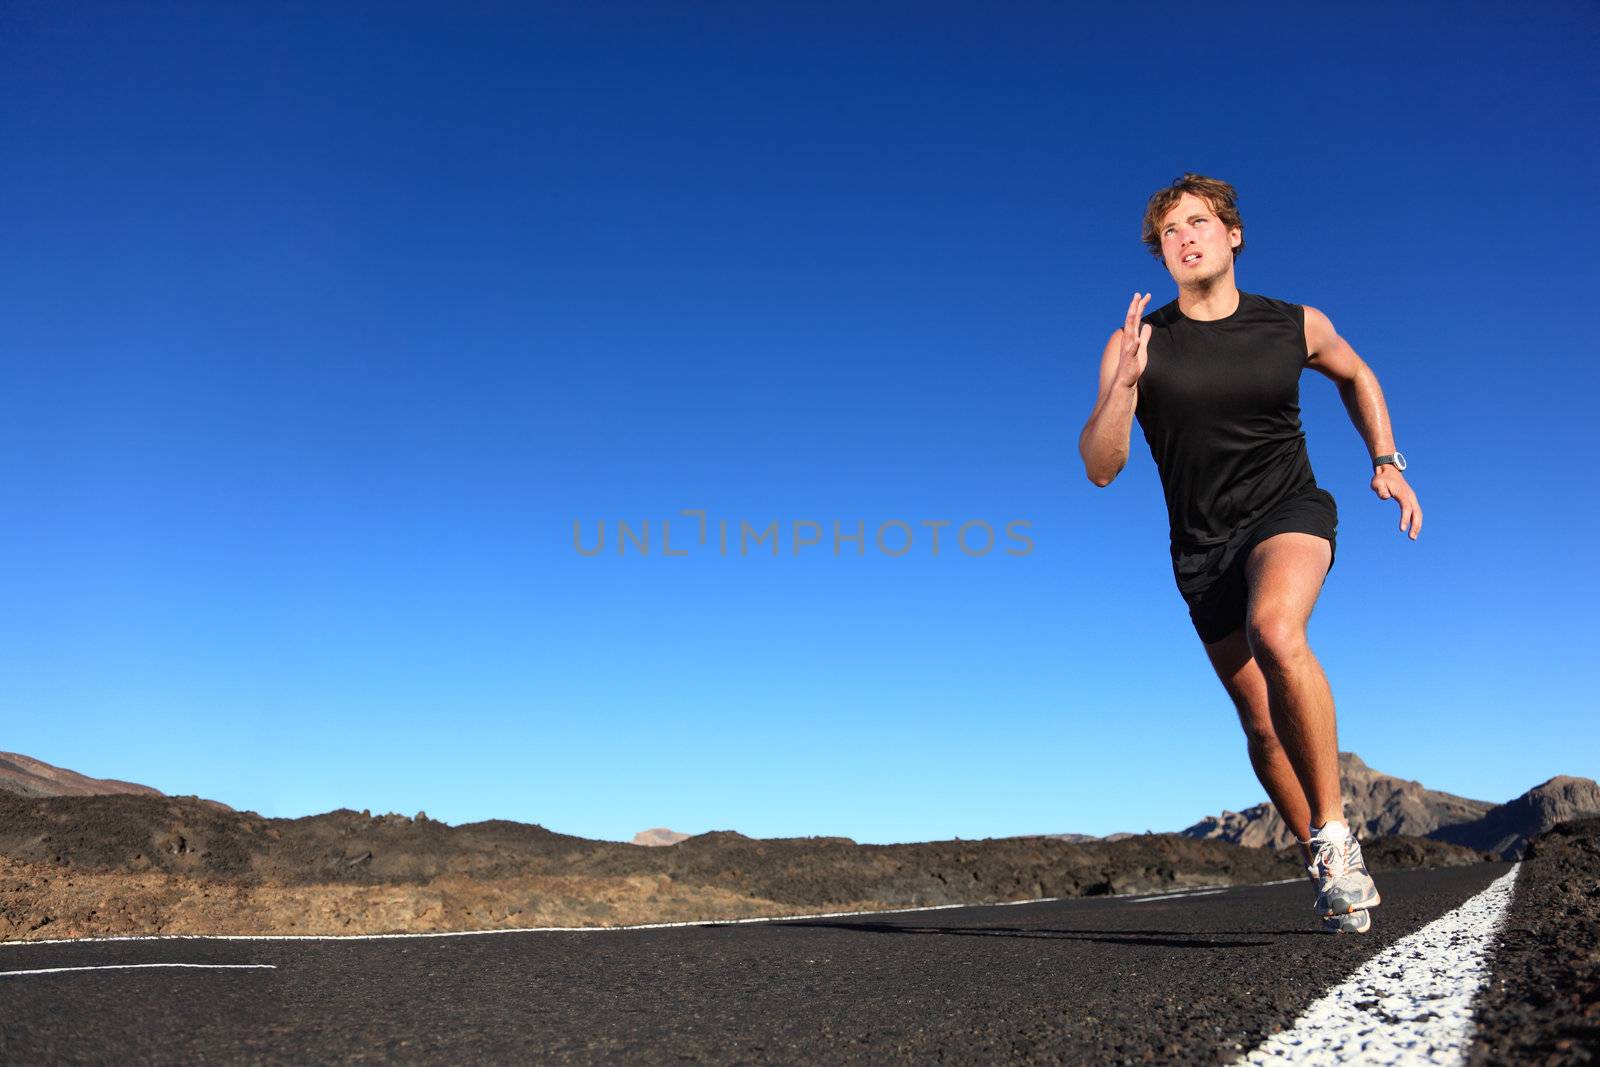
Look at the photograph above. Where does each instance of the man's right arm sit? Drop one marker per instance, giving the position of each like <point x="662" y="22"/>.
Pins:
<point x="1103" y="444"/>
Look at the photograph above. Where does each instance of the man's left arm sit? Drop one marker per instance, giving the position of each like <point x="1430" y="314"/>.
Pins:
<point x="1329" y="354"/>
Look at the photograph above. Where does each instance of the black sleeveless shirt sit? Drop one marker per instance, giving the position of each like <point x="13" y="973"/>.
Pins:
<point x="1219" y="403"/>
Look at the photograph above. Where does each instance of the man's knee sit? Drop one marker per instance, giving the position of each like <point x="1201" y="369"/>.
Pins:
<point x="1261" y="739"/>
<point x="1277" y="638"/>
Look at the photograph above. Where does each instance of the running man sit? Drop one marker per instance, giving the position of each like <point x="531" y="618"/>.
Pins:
<point x="1214" y="379"/>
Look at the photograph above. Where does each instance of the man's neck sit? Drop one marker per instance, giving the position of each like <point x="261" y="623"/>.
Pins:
<point x="1215" y="301"/>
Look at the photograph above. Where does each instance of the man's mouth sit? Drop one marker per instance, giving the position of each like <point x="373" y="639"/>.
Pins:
<point x="1192" y="257"/>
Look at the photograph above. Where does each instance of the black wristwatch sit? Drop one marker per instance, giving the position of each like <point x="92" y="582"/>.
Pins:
<point x="1395" y="458"/>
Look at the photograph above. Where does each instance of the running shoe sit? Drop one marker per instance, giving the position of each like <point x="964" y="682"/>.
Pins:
<point x="1343" y="884"/>
<point x="1355" y="922"/>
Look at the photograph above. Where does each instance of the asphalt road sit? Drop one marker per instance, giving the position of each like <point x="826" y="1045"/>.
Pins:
<point x="1193" y="979"/>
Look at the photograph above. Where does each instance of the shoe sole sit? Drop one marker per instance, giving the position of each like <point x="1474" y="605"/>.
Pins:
<point x="1350" y="906"/>
<point x="1356" y="922"/>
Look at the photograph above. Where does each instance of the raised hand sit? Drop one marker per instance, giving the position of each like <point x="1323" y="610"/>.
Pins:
<point x="1390" y="484"/>
<point x="1135" y="343"/>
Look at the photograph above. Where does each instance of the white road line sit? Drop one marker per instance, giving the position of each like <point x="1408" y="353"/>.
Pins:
<point x="1411" y="1003"/>
<point x="133" y="966"/>
<point x="1126" y="898"/>
<point x="1186" y="893"/>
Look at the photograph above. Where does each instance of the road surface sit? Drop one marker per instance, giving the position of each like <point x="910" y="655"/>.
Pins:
<point x="1196" y="978"/>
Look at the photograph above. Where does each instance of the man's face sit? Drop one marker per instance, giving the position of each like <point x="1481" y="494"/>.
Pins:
<point x="1196" y="246"/>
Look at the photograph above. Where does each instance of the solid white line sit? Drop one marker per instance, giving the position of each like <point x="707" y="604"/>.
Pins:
<point x="1411" y="1003"/>
<point x="131" y="966"/>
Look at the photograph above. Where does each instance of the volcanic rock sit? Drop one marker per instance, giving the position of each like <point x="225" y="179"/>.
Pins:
<point x="1542" y="1001"/>
<point x="1505" y="830"/>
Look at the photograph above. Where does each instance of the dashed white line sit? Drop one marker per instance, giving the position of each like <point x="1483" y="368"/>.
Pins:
<point x="1177" y="896"/>
<point x="135" y="966"/>
<point x="1411" y="1003"/>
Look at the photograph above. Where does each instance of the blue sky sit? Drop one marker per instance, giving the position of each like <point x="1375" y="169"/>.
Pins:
<point x="323" y="324"/>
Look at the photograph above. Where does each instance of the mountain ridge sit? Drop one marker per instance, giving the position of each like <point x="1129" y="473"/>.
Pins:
<point x="31" y="777"/>
<point x="1383" y="805"/>
<point x="1376" y="804"/>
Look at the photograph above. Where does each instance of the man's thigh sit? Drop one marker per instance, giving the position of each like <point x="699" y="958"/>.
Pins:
<point x="1284" y="575"/>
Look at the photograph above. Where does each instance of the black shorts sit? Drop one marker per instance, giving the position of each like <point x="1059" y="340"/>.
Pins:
<point x="1212" y="579"/>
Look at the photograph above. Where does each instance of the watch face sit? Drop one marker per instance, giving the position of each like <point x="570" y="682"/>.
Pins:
<point x="1399" y="462"/>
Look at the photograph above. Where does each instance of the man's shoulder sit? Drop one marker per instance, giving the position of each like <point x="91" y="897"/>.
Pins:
<point x="1163" y="316"/>
<point x="1296" y="313"/>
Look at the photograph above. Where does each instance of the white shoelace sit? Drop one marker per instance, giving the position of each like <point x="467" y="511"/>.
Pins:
<point x="1334" y="858"/>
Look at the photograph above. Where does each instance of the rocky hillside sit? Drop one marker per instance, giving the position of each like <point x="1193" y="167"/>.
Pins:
<point x="1380" y="805"/>
<point x="172" y="835"/>
<point x="1505" y="831"/>
<point x="1376" y="804"/>
<point x="28" y="777"/>
<point x="131" y="863"/>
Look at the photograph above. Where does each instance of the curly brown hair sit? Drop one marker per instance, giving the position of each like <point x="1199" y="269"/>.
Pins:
<point x="1214" y="191"/>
